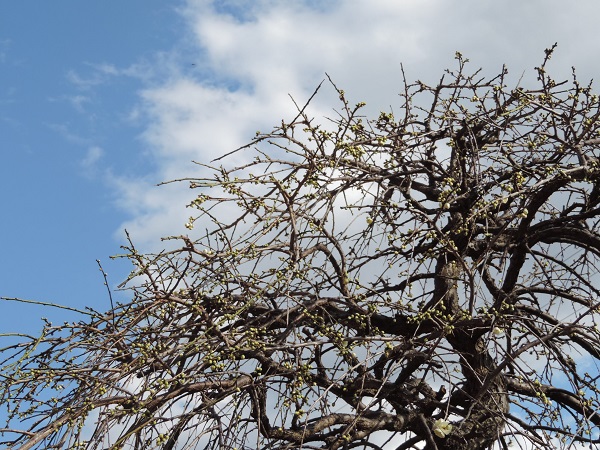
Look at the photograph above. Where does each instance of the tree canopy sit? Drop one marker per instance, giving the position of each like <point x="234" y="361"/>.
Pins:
<point x="421" y="279"/>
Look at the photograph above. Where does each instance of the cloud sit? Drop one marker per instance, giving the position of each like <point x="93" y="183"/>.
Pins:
<point x="144" y="70"/>
<point x="78" y="102"/>
<point x="92" y="156"/>
<point x="100" y="74"/>
<point x="84" y="83"/>
<point x="4" y="46"/>
<point x="65" y="131"/>
<point x="251" y="55"/>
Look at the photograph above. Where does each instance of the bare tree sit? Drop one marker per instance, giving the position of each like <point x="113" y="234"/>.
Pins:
<point x="424" y="279"/>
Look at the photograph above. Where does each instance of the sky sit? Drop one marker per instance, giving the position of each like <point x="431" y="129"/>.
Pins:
<point x="102" y="100"/>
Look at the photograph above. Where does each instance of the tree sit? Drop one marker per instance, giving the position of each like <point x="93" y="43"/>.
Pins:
<point x="419" y="280"/>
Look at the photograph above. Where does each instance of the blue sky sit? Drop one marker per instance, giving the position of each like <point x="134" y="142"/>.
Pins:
<point x="64" y="126"/>
<point x="101" y="100"/>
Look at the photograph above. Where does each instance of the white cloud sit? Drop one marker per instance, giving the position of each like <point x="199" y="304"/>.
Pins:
<point x="92" y="156"/>
<point x="4" y="46"/>
<point x="68" y="134"/>
<point x="84" y="83"/>
<point x="99" y="74"/>
<point x="78" y="102"/>
<point x="251" y="54"/>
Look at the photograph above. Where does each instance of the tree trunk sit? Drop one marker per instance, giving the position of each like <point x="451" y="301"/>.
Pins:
<point x="483" y="418"/>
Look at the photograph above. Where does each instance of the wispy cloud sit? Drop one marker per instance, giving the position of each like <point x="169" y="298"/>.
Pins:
<point x="92" y="156"/>
<point x="82" y="82"/>
<point x="90" y="164"/>
<point x="78" y="102"/>
<point x="4" y="46"/>
<point x="98" y="74"/>
<point x="68" y="134"/>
